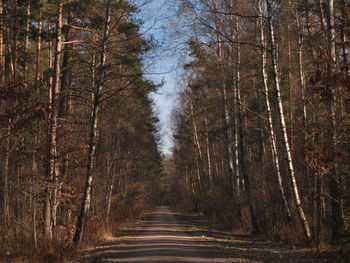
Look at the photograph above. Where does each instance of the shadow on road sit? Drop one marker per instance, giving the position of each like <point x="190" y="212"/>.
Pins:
<point x="165" y="236"/>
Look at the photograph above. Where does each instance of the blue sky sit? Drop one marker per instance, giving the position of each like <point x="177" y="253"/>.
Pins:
<point x="161" y="65"/>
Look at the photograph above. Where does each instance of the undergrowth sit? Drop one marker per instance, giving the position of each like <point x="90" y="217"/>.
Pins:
<point x="20" y="248"/>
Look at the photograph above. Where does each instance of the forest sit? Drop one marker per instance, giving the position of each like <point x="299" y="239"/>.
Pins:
<point x="261" y="129"/>
<point x="76" y="122"/>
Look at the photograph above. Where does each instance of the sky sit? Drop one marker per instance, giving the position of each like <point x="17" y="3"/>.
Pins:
<point x="161" y="66"/>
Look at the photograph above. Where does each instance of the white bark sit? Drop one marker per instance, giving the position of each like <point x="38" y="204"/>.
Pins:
<point x="54" y="170"/>
<point x="274" y="151"/>
<point x="111" y="175"/>
<point x="195" y="133"/>
<point x="227" y="118"/>
<point x="301" y="214"/>
<point x="235" y="66"/>
<point x="236" y="101"/>
<point x="199" y="159"/>
<point x="228" y="136"/>
<point x="38" y="50"/>
<point x="303" y="91"/>
<point x="207" y="142"/>
<point x="111" y="165"/>
<point x="94" y="122"/>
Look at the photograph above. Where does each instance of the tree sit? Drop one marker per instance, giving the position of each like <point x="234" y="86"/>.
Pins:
<point x="54" y="56"/>
<point x="282" y="79"/>
<point x="94" y="125"/>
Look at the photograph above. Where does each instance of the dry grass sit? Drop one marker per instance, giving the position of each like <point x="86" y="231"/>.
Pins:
<point x="240" y="247"/>
<point x="20" y="248"/>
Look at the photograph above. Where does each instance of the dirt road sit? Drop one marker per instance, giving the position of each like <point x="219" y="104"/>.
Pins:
<point x="164" y="236"/>
<point x="161" y="237"/>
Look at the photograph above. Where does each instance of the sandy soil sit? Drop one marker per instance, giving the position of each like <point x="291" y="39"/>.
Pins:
<point x="165" y="236"/>
<point x="160" y="237"/>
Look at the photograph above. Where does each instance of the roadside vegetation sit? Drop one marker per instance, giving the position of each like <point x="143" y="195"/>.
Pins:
<point x="78" y="151"/>
<point x="261" y="131"/>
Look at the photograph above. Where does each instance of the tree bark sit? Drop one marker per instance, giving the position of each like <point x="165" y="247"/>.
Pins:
<point x="336" y="202"/>
<point x="199" y="159"/>
<point x="111" y="167"/>
<point x="2" y="110"/>
<point x="301" y="214"/>
<point x="38" y="51"/>
<point x="274" y="151"/>
<point x="94" y="122"/>
<point x="319" y="186"/>
<point x="54" y="168"/>
<point x="228" y="138"/>
<point x="345" y="37"/>
<point x="6" y="173"/>
<point x="236" y="141"/>
<point x="14" y="48"/>
<point x="63" y="108"/>
<point x="47" y="215"/>
<point x="242" y="149"/>
<point x="303" y="92"/>
<point x="227" y="118"/>
<point x="26" y="45"/>
<point x="50" y="58"/>
<point x="34" y="198"/>
<point x="207" y="144"/>
<point x="111" y="176"/>
<point x="2" y="46"/>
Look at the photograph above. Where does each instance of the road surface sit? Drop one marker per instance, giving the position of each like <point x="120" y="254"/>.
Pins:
<point x="161" y="237"/>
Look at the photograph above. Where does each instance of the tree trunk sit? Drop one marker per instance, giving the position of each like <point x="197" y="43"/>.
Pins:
<point x="94" y="129"/>
<point x="62" y="108"/>
<point x="207" y="144"/>
<point x="345" y="37"/>
<point x="6" y="173"/>
<point x="242" y="149"/>
<point x="54" y="168"/>
<point x="303" y="94"/>
<point x="319" y="182"/>
<point x="34" y="198"/>
<point x="199" y="159"/>
<point x="38" y="51"/>
<point x="301" y="214"/>
<point x="195" y="133"/>
<point x="274" y="151"/>
<point x="47" y="215"/>
<point x="26" y="45"/>
<point x="14" y="49"/>
<point x="336" y="202"/>
<point x="238" y="168"/>
<point x="227" y="119"/>
<point x="228" y="138"/>
<point x="2" y="47"/>
<point x="111" y="170"/>
<point x="50" y="56"/>
<point x="109" y="196"/>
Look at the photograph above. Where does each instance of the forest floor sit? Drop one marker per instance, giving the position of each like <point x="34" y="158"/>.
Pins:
<point x="166" y="236"/>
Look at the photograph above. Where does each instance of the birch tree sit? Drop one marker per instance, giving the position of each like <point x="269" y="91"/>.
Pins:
<point x="94" y="125"/>
<point x="283" y="128"/>
<point x="274" y="151"/>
